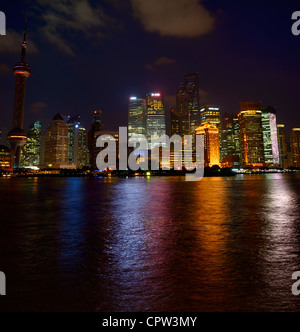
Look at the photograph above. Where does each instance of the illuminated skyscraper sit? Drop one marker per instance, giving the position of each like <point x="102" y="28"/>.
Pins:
<point x="180" y="123"/>
<point x="97" y="120"/>
<point x="156" y="119"/>
<point x="33" y="145"/>
<point x="283" y="154"/>
<point x="295" y="145"/>
<point x="231" y="148"/>
<point x="4" y="157"/>
<point x="56" y="152"/>
<point x="191" y="86"/>
<point x="269" y="126"/>
<point x="137" y="117"/>
<point x="211" y="144"/>
<point x="78" y="150"/>
<point x="211" y="114"/>
<point x="180" y="118"/>
<point x="187" y="105"/>
<point x="81" y="152"/>
<point x="252" y="144"/>
<point x="17" y="137"/>
<point x="182" y="114"/>
<point x="73" y="124"/>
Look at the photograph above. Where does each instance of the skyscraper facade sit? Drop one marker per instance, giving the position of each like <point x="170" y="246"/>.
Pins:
<point x="78" y="149"/>
<point x="210" y="114"/>
<point x="156" y="118"/>
<point x="252" y="144"/>
<point x="180" y="123"/>
<point x="73" y="125"/>
<point x="231" y="147"/>
<point x="96" y="128"/>
<point x="181" y="117"/>
<point x="191" y="86"/>
<point x="56" y="151"/>
<point x="295" y="145"/>
<point x="283" y="153"/>
<point x="270" y="137"/>
<point x="211" y="144"/>
<point x="81" y="152"/>
<point x="33" y="145"/>
<point x="4" y="157"/>
<point x="137" y="117"/>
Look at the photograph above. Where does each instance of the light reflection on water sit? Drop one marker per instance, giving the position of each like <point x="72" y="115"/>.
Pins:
<point x="159" y="244"/>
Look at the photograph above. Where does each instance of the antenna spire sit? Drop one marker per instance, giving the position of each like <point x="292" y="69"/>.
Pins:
<point x="24" y="44"/>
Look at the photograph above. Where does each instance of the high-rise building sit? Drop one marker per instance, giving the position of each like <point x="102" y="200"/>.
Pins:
<point x="210" y="114"/>
<point x="191" y="87"/>
<point x="181" y="117"/>
<point x="295" y="145"/>
<point x="180" y="123"/>
<point x="81" y="152"/>
<point x="32" y="157"/>
<point x="56" y="151"/>
<point x="270" y="137"/>
<point x="211" y="144"/>
<point x="187" y="105"/>
<point x="73" y="124"/>
<point x="97" y="120"/>
<point x="156" y="118"/>
<point x="42" y="148"/>
<point x="78" y="150"/>
<point x="252" y="144"/>
<point x="175" y="122"/>
<point x="17" y="137"/>
<point x="4" y="157"/>
<point x="137" y="117"/>
<point x="96" y="127"/>
<point x="283" y="153"/>
<point x="231" y="148"/>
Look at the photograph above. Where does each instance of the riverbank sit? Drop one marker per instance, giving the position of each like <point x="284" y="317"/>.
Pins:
<point x="208" y="172"/>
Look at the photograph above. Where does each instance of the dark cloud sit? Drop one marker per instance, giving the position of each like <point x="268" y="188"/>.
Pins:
<point x="163" y="61"/>
<point x="61" y="17"/>
<point x="174" y="18"/>
<point x="38" y="107"/>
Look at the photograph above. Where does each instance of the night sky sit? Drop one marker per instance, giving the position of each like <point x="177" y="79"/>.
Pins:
<point x="93" y="54"/>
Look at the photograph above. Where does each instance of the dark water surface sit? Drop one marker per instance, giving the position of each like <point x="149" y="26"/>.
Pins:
<point x="159" y="244"/>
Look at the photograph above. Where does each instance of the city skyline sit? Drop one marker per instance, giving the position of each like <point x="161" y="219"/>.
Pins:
<point x="149" y="158"/>
<point x="154" y="71"/>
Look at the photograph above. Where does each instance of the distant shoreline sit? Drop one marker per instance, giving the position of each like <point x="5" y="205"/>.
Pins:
<point x="225" y="172"/>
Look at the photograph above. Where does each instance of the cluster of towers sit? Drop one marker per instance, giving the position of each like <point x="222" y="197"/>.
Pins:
<point x="250" y="137"/>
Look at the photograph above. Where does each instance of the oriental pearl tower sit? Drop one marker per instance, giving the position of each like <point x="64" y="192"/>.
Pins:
<point x="17" y="137"/>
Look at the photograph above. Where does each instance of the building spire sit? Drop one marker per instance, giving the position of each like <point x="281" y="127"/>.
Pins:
<point x="24" y="44"/>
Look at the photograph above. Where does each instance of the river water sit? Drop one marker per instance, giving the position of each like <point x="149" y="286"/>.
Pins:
<point x="150" y="245"/>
